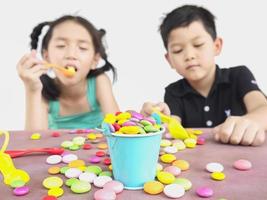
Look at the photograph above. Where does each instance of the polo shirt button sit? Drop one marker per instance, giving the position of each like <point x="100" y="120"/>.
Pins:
<point x="206" y="108"/>
<point x="209" y="123"/>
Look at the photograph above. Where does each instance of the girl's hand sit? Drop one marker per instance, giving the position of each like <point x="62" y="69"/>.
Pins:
<point x="148" y="108"/>
<point x="239" y="130"/>
<point x="30" y="69"/>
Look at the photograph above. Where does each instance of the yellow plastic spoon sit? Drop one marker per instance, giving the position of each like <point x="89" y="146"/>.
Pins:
<point x="7" y="168"/>
<point x="175" y="128"/>
<point x="69" y="72"/>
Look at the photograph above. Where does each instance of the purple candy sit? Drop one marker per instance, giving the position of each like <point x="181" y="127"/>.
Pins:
<point x="137" y="115"/>
<point x="204" y="192"/>
<point x="94" y="159"/>
<point x="20" y="191"/>
<point x="111" y="128"/>
<point x="129" y="123"/>
<point x="151" y="120"/>
<point x="134" y="119"/>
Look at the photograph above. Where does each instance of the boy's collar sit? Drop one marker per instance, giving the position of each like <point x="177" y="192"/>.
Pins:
<point x="221" y="77"/>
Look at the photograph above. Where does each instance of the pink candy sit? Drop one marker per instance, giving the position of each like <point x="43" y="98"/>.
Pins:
<point x="20" y="191"/>
<point x="116" y="186"/>
<point x="242" y="164"/>
<point x="204" y="192"/>
<point x="105" y="194"/>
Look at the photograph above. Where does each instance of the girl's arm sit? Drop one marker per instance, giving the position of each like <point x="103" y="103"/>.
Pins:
<point x="36" y="111"/>
<point x="30" y="69"/>
<point x="105" y="95"/>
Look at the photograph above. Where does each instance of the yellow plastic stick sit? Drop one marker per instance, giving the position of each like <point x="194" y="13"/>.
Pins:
<point x="175" y="128"/>
<point x="7" y="168"/>
<point x="67" y="72"/>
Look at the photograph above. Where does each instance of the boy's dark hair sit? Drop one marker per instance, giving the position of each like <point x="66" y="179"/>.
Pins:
<point x="50" y="89"/>
<point x="184" y="16"/>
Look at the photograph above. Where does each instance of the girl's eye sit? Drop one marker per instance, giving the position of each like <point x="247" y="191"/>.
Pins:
<point x="83" y="48"/>
<point x="60" y="46"/>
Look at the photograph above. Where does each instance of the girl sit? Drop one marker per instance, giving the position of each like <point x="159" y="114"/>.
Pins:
<point x="67" y="102"/>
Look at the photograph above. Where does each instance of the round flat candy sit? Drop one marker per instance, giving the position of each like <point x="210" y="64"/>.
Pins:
<point x="76" y="163"/>
<point x="153" y="187"/>
<point x="242" y="165"/>
<point x="54" y="170"/>
<point x="204" y="192"/>
<point x="94" y="169"/>
<point x="165" y="143"/>
<point x="100" y="153"/>
<point x="91" y="136"/>
<point x="69" y="157"/>
<point x="49" y="198"/>
<point x="106" y="173"/>
<point x="87" y="146"/>
<point x="107" y="161"/>
<point x="55" y="134"/>
<point x="167" y="158"/>
<point x="170" y="149"/>
<point x="17" y="183"/>
<point x="52" y="182"/>
<point x="100" y="181"/>
<point x="73" y="173"/>
<point x="218" y="176"/>
<point x="116" y="186"/>
<point x="104" y="194"/>
<point x="183" y="182"/>
<point x="70" y="181"/>
<point x="190" y="142"/>
<point x="21" y="191"/>
<point x="201" y="140"/>
<point x="88" y="177"/>
<point x="174" y="190"/>
<point x="36" y="136"/>
<point x="179" y="144"/>
<point x="173" y="170"/>
<point x="57" y="192"/>
<point x="80" y="187"/>
<point x="159" y="167"/>
<point x="182" y="164"/>
<point x="94" y="159"/>
<point x="214" y="167"/>
<point x="66" y="144"/>
<point x="53" y="159"/>
<point x="165" y="177"/>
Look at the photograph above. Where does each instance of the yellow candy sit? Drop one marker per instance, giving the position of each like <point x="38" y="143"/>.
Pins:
<point x="190" y="142"/>
<point x="165" y="177"/>
<point x="124" y="115"/>
<point x="102" y="146"/>
<point x="153" y="187"/>
<point x="110" y="118"/>
<point x="130" y="129"/>
<point x="193" y="136"/>
<point x="110" y="167"/>
<point x="218" y="176"/>
<point x="121" y="121"/>
<point x="182" y="164"/>
<point x="167" y="158"/>
<point x="198" y="132"/>
<point x="76" y="163"/>
<point x="179" y="144"/>
<point x="36" y="136"/>
<point x="54" y="170"/>
<point x="52" y="182"/>
<point x="91" y="136"/>
<point x="165" y="143"/>
<point x="57" y="192"/>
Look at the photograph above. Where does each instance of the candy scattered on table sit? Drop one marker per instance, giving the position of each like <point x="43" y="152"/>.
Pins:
<point x="242" y="165"/>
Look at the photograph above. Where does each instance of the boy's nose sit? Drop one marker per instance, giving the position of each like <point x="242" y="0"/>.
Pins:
<point x="189" y="55"/>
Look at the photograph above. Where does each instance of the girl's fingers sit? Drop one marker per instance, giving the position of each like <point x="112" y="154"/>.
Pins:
<point x="238" y="132"/>
<point x="259" y="139"/>
<point x="227" y="129"/>
<point x="249" y="135"/>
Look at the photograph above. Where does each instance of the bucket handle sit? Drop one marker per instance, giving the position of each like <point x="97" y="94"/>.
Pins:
<point x="3" y="149"/>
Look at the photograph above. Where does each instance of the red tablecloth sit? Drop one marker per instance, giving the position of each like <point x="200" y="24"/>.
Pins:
<point x="243" y="185"/>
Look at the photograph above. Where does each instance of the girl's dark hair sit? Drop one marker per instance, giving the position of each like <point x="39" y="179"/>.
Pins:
<point x="50" y="90"/>
<point x="184" y="16"/>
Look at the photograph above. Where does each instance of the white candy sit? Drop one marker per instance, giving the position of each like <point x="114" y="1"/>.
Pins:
<point x="54" y="159"/>
<point x="170" y="149"/>
<point x="88" y="177"/>
<point x="73" y="173"/>
<point x="214" y="167"/>
<point x="69" y="157"/>
<point x="174" y="190"/>
<point x="100" y="181"/>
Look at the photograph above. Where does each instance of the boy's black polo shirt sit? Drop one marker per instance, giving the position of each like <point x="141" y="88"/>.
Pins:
<point x="225" y="98"/>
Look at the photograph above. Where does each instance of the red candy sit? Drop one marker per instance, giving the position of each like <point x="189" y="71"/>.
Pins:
<point x="100" y="153"/>
<point x="107" y="161"/>
<point x="87" y="146"/>
<point x="49" y="198"/>
<point x="55" y="134"/>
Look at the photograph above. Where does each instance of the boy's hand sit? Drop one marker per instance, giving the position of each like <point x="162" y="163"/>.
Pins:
<point x="148" y="108"/>
<point x="30" y="69"/>
<point x="239" y="130"/>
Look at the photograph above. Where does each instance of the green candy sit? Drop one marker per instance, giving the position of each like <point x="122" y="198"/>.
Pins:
<point x="105" y="173"/>
<point x="70" y="181"/>
<point x="80" y="187"/>
<point x="94" y="169"/>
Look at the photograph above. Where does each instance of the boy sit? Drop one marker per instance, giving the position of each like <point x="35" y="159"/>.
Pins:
<point x="207" y="96"/>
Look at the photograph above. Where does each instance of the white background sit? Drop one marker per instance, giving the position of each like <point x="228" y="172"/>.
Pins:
<point x="134" y="44"/>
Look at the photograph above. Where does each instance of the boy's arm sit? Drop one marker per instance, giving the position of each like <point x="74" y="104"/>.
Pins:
<point x="248" y="129"/>
<point x="36" y="112"/>
<point x="105" y="95"/>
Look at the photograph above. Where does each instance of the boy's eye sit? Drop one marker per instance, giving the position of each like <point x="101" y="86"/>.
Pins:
<point x="199" y="45"/>
<point x="177" y="51"/>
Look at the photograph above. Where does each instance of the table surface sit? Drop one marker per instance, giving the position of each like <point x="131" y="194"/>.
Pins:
<point x="237" y="185"/>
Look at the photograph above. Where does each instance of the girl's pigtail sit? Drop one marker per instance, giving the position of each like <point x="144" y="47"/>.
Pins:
<point x="36" y="33"/>
<point x="107" y="66"/>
